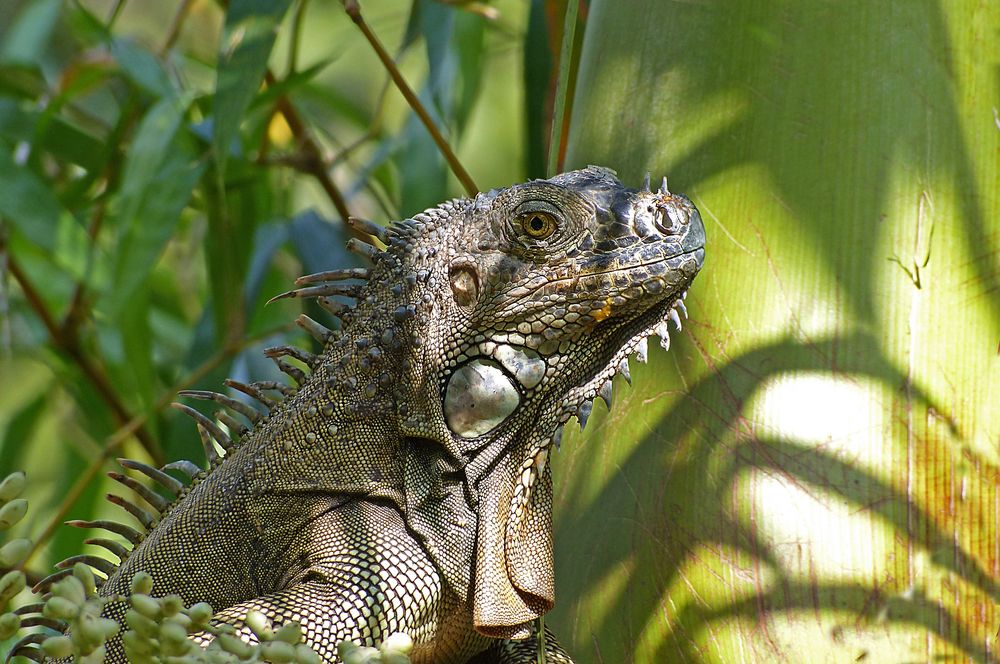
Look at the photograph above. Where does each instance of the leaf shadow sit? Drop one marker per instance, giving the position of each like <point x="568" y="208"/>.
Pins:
<point x="674" y="499"/>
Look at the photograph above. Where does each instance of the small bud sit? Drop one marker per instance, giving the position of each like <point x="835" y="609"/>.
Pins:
<point x="12" y="512"/>
<point x="10" y="584"/>
<point x="278" y="652"/>
<point x="183" y="620"/>
<point x="235" y="646"/>
<point x="345" y="648"/>
<point x="362" y="655"/>
<point x="260" y="625"/>
<point x="172" y="605"/>
<point x="12" y="487"/>
<point x="146" y="605"/>
<point x="306" y="655"/>
<point x="144" y="626"/>
<point x="136" y="647"/>
<point x="398" y="642"/>
<point x="14" y="552"/>
<point x="142" y="583"/>
<point x="109" y="628"/>
<point x="88" y="633"/>
<point x="9" y="624"/>
<point x="218" y="656"/>
<point x="175" y="636"/>
<point x="96" y="657"/>
<point x="200" y="614"/>
<point x="70" y="588"/>
<point x="85" y="576"/>
<point x="60" y="608"/>
<point x="290" y="632"/>
<point x="58" y="647"/>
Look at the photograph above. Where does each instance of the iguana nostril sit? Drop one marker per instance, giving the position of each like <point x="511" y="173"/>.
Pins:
<point x="662" y="223"/>
<point x="670" y="218"/>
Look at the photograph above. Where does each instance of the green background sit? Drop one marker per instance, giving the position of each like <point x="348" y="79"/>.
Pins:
<point x="810" y="474"/>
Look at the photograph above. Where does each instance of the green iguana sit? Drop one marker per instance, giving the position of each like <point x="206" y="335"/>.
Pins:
<point x="404" y="485"/>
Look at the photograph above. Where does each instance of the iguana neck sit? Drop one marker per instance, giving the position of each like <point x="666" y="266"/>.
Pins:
<point x="351" y="401"/>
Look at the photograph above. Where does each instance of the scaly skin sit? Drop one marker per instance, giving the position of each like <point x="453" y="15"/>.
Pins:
<point x="405" y="484"/>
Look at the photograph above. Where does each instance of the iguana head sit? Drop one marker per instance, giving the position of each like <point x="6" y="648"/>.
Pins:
<point x="553" y="283"/>
<point x="524" y="302"/>
<point x="497" y="319"/>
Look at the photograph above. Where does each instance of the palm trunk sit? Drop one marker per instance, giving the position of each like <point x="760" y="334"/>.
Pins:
<point x="811" y="473"/>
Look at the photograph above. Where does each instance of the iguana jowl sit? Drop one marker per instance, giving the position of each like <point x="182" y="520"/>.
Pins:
<point x="405" y="485"/>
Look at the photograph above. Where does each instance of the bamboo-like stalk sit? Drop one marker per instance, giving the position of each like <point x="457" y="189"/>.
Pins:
<point x="811" y="473"/>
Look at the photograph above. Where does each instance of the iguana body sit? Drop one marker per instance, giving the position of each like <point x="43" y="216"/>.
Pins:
<point x="404" y="486"/>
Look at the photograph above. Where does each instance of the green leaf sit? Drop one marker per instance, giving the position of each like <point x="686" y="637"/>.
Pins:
<point x="437" y="26"/>
<point x="27" y="38"/>
<point x="291" y="83"/>
<point x="16" y="124"/>
<point x="136" y="376"/>
<point x="142" y="68"/>
<point x="233" y="216"/>
<point x="453" y="42"/>
<point x="73" y="144"/>
<point x="161" y="170"/>
<point x="249" y="34"/>
<point x="61" y="138"/>
<point x="22" y="80"/>
<point x="148" y="151"/>
<point x="18" y="430"/>
<point x="425" y="180"/>
<point x="561" y="102"/>
<point x="267" y="240"/>
<point x="319" y="242"/>
<point x="85" y="26"/>
<point x="468" y="47"/>
<point x="537" y="73"/>
<point x="27" y="202"/>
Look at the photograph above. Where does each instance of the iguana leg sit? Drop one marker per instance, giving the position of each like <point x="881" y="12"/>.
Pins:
<point x="509" y="651"/>
<point x="364" y="577"/>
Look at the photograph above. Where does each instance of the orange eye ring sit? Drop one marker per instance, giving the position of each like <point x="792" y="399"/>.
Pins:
<point x="538" y="225"/>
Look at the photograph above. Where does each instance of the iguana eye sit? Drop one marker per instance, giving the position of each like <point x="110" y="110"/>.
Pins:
<point x="538" y="225"/>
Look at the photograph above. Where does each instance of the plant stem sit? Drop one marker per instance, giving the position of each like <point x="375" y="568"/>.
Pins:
<point x="314" y="163"/>
<point x="353" y="10"/>
<point x="556" y="146"/>
<point x="176" y="24"/>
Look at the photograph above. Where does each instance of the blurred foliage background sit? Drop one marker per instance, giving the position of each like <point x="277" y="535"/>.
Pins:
<point x="811" y="473"/>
